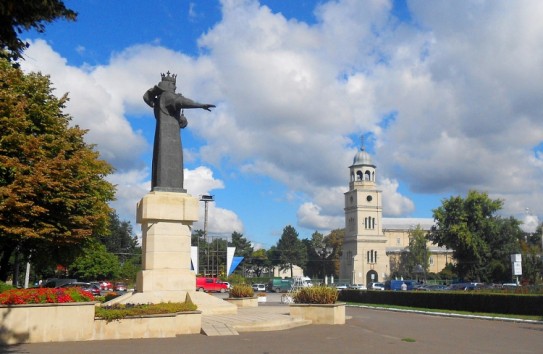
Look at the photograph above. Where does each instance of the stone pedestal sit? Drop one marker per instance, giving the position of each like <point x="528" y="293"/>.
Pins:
<point x="166" y="276"/>
<point x="165" y="220"/>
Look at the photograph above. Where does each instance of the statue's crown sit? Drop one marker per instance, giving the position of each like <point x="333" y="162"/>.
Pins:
<point x="168" y="77"/>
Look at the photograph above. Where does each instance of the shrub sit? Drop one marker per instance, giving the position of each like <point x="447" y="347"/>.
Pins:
<point x="4" y="287"/>
<point x="44" y="296"/>
<point x="316" y="295"/>
<point x="241" y="290"/>
<point x="119" y="311"/>
<point x="111" y="295"/>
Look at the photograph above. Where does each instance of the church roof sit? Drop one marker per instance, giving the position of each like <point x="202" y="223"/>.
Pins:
<point x="407" y="223"/>
<point x="362" y="158"/>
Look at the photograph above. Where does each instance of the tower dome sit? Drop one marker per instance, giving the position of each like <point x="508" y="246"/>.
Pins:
<point x="362" y="158"/>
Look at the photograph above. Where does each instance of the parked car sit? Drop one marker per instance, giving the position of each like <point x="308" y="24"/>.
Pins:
<point x="92" y="288"/>
<point x="106" y="285"/>
<point x="227" y="285"/>
<point x="358" y="287"/>
<point x="376" y="286"/>
<point x="259" y="287"/>
<point x="120" y="286"/>
<point x="341" y="286"/>
<point x="56" y="282"/>
<point x="210" y="284"/>
<point x="433" y="287"/>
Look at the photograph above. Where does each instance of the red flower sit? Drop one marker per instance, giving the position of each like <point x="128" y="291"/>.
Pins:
<point x="44" y="295"/>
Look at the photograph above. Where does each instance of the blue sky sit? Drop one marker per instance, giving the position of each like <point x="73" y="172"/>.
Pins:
<point x="446" y="94"/>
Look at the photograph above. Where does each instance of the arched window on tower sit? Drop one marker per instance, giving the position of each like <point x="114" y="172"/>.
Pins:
<point x="358" y="175"/>
<point x="367" y="176"/>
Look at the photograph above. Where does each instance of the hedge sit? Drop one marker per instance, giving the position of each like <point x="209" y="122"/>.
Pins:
<point x="472" y="301"/>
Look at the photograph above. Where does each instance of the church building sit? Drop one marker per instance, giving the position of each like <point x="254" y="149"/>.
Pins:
<point x="373" y="245"/>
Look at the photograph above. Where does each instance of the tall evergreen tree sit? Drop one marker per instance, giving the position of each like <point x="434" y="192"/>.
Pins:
<point x="120" y="239"/>
<point x="291" y="250"/>
<point x="243" y="246"/>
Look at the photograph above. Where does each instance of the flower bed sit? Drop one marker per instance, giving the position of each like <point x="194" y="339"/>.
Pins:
<point x="68" y="314"/>
<point x="318" y="304"/>
<point x="44" y="296"/>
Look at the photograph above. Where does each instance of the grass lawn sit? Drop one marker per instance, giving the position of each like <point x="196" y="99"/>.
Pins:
<point x="492" y="315"/>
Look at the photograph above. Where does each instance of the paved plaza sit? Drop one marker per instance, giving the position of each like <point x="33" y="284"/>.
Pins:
<point x="366" y="331"/>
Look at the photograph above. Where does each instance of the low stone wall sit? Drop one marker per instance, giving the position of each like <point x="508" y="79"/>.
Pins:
<point x="38" y="323"/>
<point x="243" y="301"/>
<point x="319" y="314"/>
<point x="156" y="326"/>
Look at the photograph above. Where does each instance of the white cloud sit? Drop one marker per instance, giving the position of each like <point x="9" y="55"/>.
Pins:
<point x="454" y="101"/>
<point x="310" y="217"/>
<point x="92" y="105"/>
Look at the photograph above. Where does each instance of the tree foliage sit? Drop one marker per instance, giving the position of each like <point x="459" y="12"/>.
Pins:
<point x="481" y="241"/>
<point x="243" y="246"/>
<point x="335" y="240"/>
<point x="260" y="262"/>
<point x="19" y="15"/>
<point x="120" y="239"/>
<point x="291" y="250"/>
<point x="96" y="263"/>
<point x="418" y="255"/>
<point x="53" y="192"/>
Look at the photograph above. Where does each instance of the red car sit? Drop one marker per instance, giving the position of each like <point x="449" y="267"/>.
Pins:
<point x="120" y="286"/>
<point x="106" y="285"/>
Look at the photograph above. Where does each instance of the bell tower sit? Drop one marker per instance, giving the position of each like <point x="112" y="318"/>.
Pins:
<point x="364" y="257"/>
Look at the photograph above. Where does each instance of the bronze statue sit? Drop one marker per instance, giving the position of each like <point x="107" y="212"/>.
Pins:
<point x="167" y="175"/>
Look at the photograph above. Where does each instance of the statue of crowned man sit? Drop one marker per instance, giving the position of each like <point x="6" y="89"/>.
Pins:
<point x="167" y="173"/>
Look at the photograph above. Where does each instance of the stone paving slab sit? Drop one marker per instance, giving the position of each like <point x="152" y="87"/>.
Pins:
<point x="255" y="319"/>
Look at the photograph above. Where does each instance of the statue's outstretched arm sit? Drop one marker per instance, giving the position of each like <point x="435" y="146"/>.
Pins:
<point x="183" y="102"/>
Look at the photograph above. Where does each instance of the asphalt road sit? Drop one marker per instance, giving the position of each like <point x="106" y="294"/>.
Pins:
<point x="368" y="331"/>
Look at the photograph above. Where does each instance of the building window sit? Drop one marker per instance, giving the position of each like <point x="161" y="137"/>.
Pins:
<point x="369" y="223"/>
<point x="398" y="241"/>
<point x="371" y="256"/>
<point x="431" y="260"/>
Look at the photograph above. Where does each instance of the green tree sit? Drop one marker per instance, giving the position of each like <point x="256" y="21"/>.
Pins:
<point x="19" y="15"/>
<point x="260" y="262"/>
<point x="313" y="266"/>
<point x="53" y="191"/>
<point x="471" y="228"/>
<point x="291" y="250"/>
<point x="95" y="263"/>
<point x="120" y="240"/>
<point x="335" y="240"/>
<point x="417" y="256"/>
<point x="243" y="247"/>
